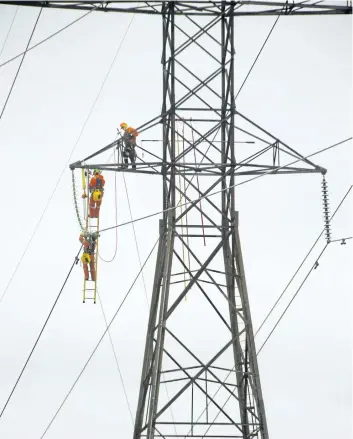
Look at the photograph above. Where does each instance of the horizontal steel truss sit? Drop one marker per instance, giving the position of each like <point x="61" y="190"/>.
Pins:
<point x="200" y="8"/>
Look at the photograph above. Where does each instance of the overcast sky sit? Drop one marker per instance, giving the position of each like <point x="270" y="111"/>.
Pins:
<point x="300" y="90"/>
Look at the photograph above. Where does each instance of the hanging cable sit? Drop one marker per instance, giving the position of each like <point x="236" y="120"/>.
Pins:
<point x="75" y="200"/>
<point x="46" y="39"/>
<point x="198" y="183"/>
<point x="186" y="215"/>
<point x="99" y="341"/>
<point x="40" y="333"/>
<point x="135" y="237"/>
<point x="181" y="209"/>
<point x="66" y="164"/>
<point x="116" y="216"/>
<point x="270" y="172"/>
<point x="326" y="209"/>
<point x="8" y="32"/>
<point x="19" y="67"/>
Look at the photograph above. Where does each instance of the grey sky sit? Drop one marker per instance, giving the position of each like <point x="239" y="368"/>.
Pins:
<point x="300" y="90"/>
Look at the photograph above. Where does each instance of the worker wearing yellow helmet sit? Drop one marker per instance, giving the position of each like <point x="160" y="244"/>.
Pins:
<point x="129" y="139"/>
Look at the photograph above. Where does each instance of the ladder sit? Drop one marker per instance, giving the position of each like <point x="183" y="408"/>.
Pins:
<point x="92" y="226"/>
<point x="90" y="286"/>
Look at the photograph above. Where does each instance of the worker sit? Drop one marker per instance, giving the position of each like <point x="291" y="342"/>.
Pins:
<point x="129" y="141"/>
<point x="96" y="187"/>
<point x="89" y="245"/>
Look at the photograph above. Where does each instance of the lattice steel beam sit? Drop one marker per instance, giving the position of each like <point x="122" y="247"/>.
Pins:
<point x="200" y="8"/>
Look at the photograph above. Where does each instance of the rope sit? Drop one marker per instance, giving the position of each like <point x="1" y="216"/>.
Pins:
<point x="75" y="201"/>
<point x="116" y="217"/>
<point x="181" y="210"/>
<point x="198" y="183"/>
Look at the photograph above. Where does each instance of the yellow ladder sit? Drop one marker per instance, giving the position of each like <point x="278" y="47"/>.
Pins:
<point x="90" y="286"/>
<point x="92" y="226"/>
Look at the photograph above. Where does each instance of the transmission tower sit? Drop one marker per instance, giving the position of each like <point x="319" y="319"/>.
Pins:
<point x="200" y="340"/>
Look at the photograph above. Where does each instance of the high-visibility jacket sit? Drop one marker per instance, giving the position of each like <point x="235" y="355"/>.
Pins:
<point x="89" y="243"/>
<point x="97" y="182"/>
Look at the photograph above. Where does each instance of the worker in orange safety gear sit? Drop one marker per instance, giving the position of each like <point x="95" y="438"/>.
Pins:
<point x="96" y="187"/>
<point x="88" y="257"/>
<point x="129" y="139"/>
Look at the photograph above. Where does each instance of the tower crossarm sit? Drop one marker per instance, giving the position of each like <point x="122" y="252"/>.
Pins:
<point x="201" y="8"/>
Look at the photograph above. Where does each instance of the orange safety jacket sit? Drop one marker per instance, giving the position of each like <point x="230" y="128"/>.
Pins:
<point x="97" y="182"/>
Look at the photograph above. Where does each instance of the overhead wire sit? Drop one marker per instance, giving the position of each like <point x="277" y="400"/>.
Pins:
<point x="314" y="266"/>
<point x="19" y="67"/>
<point x="116" y="359"/>
<point x="195" y="201"/>
<point x="225" y="379"/>
<point x="135" y="238"/>
<point x="99" y="341"/>
<point x="47" y="38"/>
<point x="40" y="333"/>
<point x="142" y="274"/>
<point x="8" y="32"/>
<point x="66" y="164"/>
<point x="257" y="57"/>
<point x="302" y="263"/>
<point x="116" y="217"/>
<point x="294" y="296"/>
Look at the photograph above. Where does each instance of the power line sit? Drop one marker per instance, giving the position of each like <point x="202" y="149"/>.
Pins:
<point x="41" y="332"/>
<point x="99" y="341"/>
<point x="257" y="57"/>
<point x="143" y="278"/>
<point x="19" y="67"/>
<point x="225" y="380"/>
<point x="291" y="301"/>
<point x="306" y="277"/>
<point x="116" y="361"/>
<point x="65" y="166"/>
<point x="48" y="38"/>
<point x="270" y="172"/>
<point x="136" y="243"/>
<point x="342" y="240"/>
<point x="8" y="33"/>
<point x="303" y="261"/>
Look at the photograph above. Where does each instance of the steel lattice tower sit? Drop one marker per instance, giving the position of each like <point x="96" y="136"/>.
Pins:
<point x="212" y="378"/>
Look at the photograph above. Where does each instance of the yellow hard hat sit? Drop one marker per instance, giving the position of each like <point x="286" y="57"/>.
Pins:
<point x="86" y="258"/>
<point x="123" y="125"/>
<point x="97" y="195"/>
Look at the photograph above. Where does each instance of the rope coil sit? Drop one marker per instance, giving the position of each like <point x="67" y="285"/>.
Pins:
<point x="326" y="209"/>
